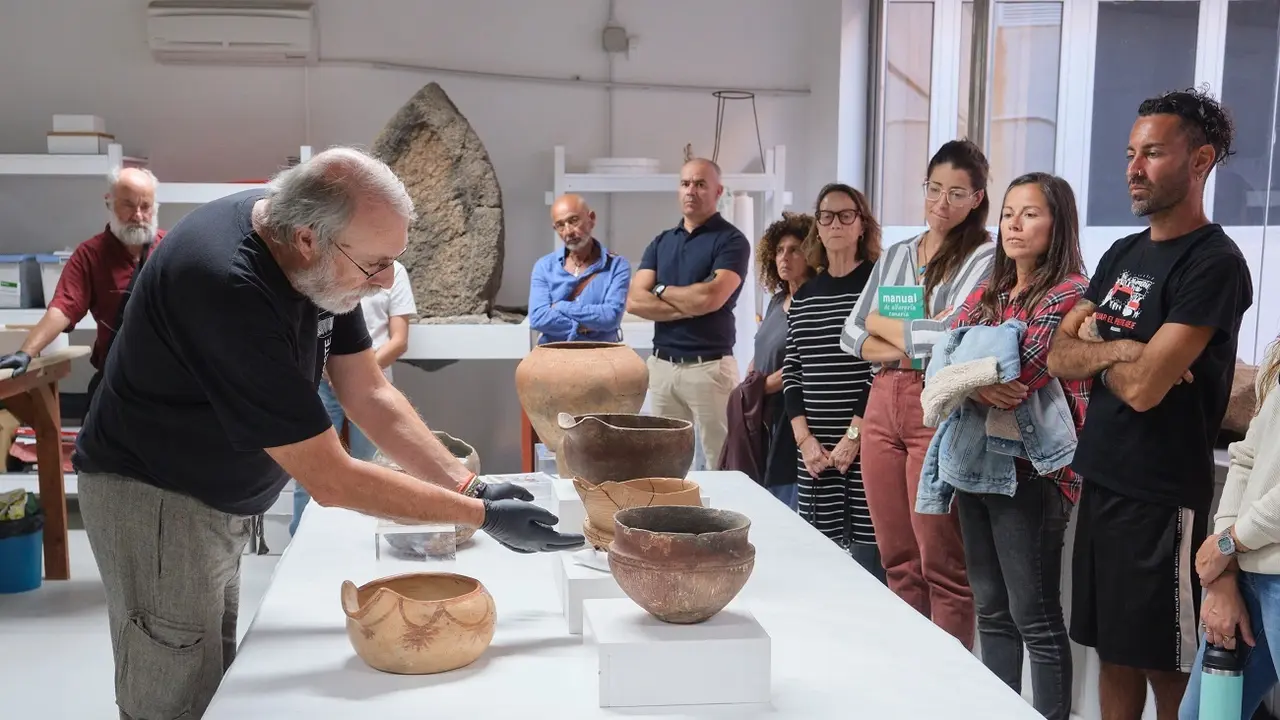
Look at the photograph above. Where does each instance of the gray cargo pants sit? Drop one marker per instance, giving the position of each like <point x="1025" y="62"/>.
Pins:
<point x="171" y="568"/>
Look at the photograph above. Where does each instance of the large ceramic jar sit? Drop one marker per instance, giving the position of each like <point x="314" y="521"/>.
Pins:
<point x="419" y="623"/>
<point x="682" y="564"/>
<point x="578" y="378"/>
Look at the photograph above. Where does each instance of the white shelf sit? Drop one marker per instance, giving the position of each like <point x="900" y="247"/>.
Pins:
<point x="68" y="165"/>
<point x="199" y="193"/>
<point x="658" y="182"/>
<point x="31" y="316"/>
<point x="495" y="342"/>
<point x="507" y="341"/>
<point x="772" y="182"/>
<point x="638" y="334"/>
<point x="31" y="482"/>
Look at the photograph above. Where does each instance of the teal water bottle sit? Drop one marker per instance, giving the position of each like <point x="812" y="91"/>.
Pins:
<point x="1221" y="684"/>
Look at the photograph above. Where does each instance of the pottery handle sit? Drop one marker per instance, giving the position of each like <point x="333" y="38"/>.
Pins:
<point x="565" y="421"/>
<point x="350" y="598"/>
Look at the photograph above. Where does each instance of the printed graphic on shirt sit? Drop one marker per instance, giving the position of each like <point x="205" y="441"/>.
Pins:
<point x="1122" y="306"/>
<point x="324" y="333"/>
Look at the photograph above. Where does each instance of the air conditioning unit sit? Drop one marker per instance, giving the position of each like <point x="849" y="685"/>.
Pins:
<point x="232" y="32"/>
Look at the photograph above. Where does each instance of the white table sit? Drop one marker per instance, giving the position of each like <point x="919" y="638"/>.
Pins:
<point x="843" y="645"/>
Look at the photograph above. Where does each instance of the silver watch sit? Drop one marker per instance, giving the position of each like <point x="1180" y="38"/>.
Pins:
<point x="1226" y="543"/>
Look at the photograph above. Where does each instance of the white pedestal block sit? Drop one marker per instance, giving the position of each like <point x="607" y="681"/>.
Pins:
<point x="576" y="583"/>
<point x="568" y="506"/>
<point x="645" y="662"/>
<point x="569" y="509"/>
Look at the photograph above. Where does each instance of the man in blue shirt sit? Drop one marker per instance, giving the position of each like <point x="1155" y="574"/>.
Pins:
<point x="688" y="283"/>
<point x="579" y="292"/>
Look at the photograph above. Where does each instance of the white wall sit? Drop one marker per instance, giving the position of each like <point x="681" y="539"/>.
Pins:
<point x="226" y="124"/>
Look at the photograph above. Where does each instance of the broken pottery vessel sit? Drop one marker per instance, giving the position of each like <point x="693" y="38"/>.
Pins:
<point x="604" y="447"/>
<point x="456" y="244"/>
<point x="419" y="623"/>
<point x="578" y="378"/>
<point x="605" y="499"/>
<point x="681" y="564"/>
<point x="414" y="543"/>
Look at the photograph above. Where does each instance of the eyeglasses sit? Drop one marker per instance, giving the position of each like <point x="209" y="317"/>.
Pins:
<point x="847" y="217"/>
<point x="954" y="197"/>
<point x="572" y="222"/>
<point x="367" y="273"/>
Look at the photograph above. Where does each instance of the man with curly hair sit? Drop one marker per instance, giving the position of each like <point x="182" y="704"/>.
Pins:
<point x="1157" y="333"/>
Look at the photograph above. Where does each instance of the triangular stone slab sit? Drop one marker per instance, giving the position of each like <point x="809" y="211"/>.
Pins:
<point x="456" y="245"/>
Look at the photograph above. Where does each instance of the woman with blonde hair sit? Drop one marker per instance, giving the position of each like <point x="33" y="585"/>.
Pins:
<point x="1239" y="565"/>
<point x="825" y="390"/>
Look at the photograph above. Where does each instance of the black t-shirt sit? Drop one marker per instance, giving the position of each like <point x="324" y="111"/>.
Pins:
<point x="1165" y="455"/>
<point x="218" y="357"/>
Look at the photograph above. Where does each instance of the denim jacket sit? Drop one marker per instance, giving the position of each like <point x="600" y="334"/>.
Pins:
<point x="974" y="447"/>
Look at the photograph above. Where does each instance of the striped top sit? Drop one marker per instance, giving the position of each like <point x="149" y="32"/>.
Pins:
<point x="829" y="388"/>
<point x="898" y="267"/>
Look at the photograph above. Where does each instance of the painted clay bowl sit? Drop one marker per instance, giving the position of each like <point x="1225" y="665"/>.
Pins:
<point x="604" y="500"/>
<point x="419" y="623"/>
<point x="681" y="564"/>
<point x="604" y="447"/>
<point x="415" y="544"/>
<point x="576" y="378"/>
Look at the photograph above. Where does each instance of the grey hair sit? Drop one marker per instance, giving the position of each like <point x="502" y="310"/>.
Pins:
<point x="113" y="179"/>
<point x="322" y="194"/>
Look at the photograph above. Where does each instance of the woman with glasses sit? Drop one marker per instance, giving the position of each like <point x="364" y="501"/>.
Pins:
<point x="825" y="390"/>
<point x="923" y="555"/>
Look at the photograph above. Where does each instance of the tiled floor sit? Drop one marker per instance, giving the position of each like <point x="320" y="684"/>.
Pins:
<point x="54" y="646"/>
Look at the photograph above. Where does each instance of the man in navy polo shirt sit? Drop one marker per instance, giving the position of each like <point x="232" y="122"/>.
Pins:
<point x="687" y="283"/>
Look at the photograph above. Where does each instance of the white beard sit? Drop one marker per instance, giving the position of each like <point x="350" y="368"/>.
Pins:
<point x="133" y="234"/>
<point x="318" y="284"/>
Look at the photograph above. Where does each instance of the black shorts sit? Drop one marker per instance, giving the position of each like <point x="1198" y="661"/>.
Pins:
<point x="1135" y="593"/>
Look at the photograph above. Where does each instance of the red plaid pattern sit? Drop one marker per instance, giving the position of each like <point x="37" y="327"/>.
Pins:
<point x="1042" y="322"/>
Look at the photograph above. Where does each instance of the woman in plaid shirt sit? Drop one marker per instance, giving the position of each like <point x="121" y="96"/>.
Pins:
<point x="1013" y="545"/>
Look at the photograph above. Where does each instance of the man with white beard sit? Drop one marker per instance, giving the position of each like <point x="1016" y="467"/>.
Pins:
<point x="208" y="405"/>
<point x="97" y="274"/>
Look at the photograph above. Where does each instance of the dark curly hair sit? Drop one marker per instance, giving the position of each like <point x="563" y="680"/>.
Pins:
<point x="796" y="225"/>
<point x="1204" y="120"/>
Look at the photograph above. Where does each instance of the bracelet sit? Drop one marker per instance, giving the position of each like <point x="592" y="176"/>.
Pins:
<point x="473" y="487"/>
<point x="1106" y="373"/>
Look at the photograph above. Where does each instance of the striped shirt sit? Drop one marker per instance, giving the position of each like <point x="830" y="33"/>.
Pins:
<point x="829" y="388"/>
<point x="898" y="267"/>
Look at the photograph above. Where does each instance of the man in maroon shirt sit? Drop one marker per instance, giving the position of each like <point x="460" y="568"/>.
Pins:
<point x="97" y="275"/>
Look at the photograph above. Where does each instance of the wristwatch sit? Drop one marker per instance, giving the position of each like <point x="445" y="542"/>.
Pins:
<point x="1227" y="544"/>
<point x="659" y="289"/>
<point x="854" y="432"/>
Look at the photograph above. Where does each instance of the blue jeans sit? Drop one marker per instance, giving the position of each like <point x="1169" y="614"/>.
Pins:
<point x="789" y="494"/>
<point x="1262" y="599"/>
<point x="361" y="448"/>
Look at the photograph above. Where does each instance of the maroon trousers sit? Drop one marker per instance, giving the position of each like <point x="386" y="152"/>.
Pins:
<point x="923" y="555"/>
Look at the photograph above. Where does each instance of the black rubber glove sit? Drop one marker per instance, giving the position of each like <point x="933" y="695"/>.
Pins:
<point x="526" y="528"/>
<point x="501" y="491"/>
<point x="17" y="362"/>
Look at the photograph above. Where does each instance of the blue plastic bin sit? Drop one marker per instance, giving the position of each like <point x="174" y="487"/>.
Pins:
<point x="22" y="562"/>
